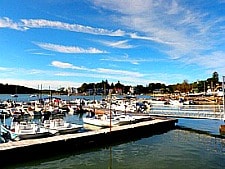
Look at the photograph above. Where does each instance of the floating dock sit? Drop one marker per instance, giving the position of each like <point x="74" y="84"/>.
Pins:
<point x="34" y="149"/>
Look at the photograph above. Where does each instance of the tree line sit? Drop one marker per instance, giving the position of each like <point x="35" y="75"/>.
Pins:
<point x="103" y="87"/>
<point x="184" y="87"/>
<point x="16" y="89"/>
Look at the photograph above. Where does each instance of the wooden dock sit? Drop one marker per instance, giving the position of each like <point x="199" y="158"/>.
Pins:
<point x="34" y="149"/>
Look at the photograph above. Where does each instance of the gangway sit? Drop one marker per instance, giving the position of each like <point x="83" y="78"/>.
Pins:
<point x="189" y="111"/>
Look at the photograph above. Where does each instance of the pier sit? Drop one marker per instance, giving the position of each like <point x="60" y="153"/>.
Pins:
<point x="214" y="112"/>
<point x="26" y="150"/>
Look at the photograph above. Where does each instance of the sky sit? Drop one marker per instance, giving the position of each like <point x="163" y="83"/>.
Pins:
<point x="65" y="43"/>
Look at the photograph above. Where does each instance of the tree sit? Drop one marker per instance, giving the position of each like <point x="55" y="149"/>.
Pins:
<point x="184" y="87"/>
<point x="213" y="81"/>
<point x="215" y="77"/>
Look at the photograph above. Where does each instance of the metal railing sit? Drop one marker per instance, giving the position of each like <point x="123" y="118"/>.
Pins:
<point x="189" y="111"/>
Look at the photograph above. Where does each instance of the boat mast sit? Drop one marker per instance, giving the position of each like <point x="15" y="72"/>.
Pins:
<point x="110" y="113"/>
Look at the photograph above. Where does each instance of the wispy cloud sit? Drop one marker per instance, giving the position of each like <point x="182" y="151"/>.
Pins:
<point x="214" y="60"/>
<point x="180" y="30"/>
<point x="4" y="69"/>
<point x="118" y="44"/>
<point x="119" y="72"/>
<point x="127" y="59"/>
<point x="8" y="23"/>
<point x="25" y="24"/>
<point x="68" y="70"/>
<point x="67" y="49"/>
<point x="41" y="53"/>
<point x="65" y="65"/>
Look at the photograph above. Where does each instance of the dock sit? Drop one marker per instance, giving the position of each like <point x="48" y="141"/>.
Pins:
<point x="41" y="148"/>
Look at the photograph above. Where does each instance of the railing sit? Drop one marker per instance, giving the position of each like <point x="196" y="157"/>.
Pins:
<point x="189" y="111"/>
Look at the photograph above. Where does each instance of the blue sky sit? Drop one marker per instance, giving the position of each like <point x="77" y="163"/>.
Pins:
<point x="65" y="43"/>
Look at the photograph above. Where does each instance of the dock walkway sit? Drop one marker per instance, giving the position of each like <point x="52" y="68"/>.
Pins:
<point x="189" y="111"/>
<point x="25" y="150"/>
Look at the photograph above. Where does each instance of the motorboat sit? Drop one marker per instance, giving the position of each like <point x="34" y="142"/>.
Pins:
<point x="7" y="134"/>
<point x="61" y="126"/>
<point x="103" y="120"/>
<point x="27" y="130"/>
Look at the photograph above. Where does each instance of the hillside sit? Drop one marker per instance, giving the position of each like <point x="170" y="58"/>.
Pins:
<point x="15" y="89"/>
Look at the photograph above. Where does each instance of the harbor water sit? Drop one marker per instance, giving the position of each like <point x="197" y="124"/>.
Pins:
<point x="194" y="143"/>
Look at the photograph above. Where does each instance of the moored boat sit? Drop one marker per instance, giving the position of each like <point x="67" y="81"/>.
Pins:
<point x="103" y="120"/>
<point x="26" y="130"/>
<point x="61" y="127"/>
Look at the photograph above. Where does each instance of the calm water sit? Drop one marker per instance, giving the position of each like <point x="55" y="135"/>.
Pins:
<point x="194" y="144"/>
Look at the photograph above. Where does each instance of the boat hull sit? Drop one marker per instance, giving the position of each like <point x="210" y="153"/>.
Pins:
<point x="34" y="135"/>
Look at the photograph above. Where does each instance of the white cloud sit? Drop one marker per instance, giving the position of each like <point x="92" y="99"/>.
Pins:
<point x="65" y="65"/>
<point x="214" y="60"/>
<point x="4" y="69"/>
<point x="181" y="30"/>
<point x="83" y="75"/>
<point x="119" y="72"/>
<point x="118" y="44"/>
<point x="67" y="49"/>
<point x="127" y="59"/>
<point x="131" y="7"/>
<point x="174" y="8"/>
<point x="53" y="84"/>
<point x="8" y="23"/>
<point x="42" y="23"/>
<point x="41" y="53"/>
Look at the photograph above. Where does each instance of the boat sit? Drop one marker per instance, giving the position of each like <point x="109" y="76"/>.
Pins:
<point x="7" y="134"/>
<point x="33" y="95"/>
<point x="103" y="120"/>
<point x="27" y="130"/>
<point x="17" y="111"/>
<point x="61" y="127"/>
<point x="14" y="95"/>
<point x="4" y="114"/>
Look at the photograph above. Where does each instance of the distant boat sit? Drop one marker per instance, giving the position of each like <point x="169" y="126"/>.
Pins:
<point x="14" y="95"/>
<point x="33" y="95"/>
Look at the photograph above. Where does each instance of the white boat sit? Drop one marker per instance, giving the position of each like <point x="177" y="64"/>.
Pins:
<point x="26" y="130"/>
<point x="106" y="121"/>
<point x="14" y="95"/>
<point x="33" y="95"/>
<point x="4" y="113"/>
<point x="7" y="134"/>
<point x="61" y="127"/>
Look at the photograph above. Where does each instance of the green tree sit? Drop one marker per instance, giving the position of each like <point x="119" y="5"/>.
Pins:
<point x="184" y="87"/>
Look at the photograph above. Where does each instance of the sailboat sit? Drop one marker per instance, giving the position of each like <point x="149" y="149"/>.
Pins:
<point x="15" y="95"/>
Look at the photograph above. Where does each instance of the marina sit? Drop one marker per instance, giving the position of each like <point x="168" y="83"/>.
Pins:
<point x="146" y="125"/>
<point x="112" y="84"/>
